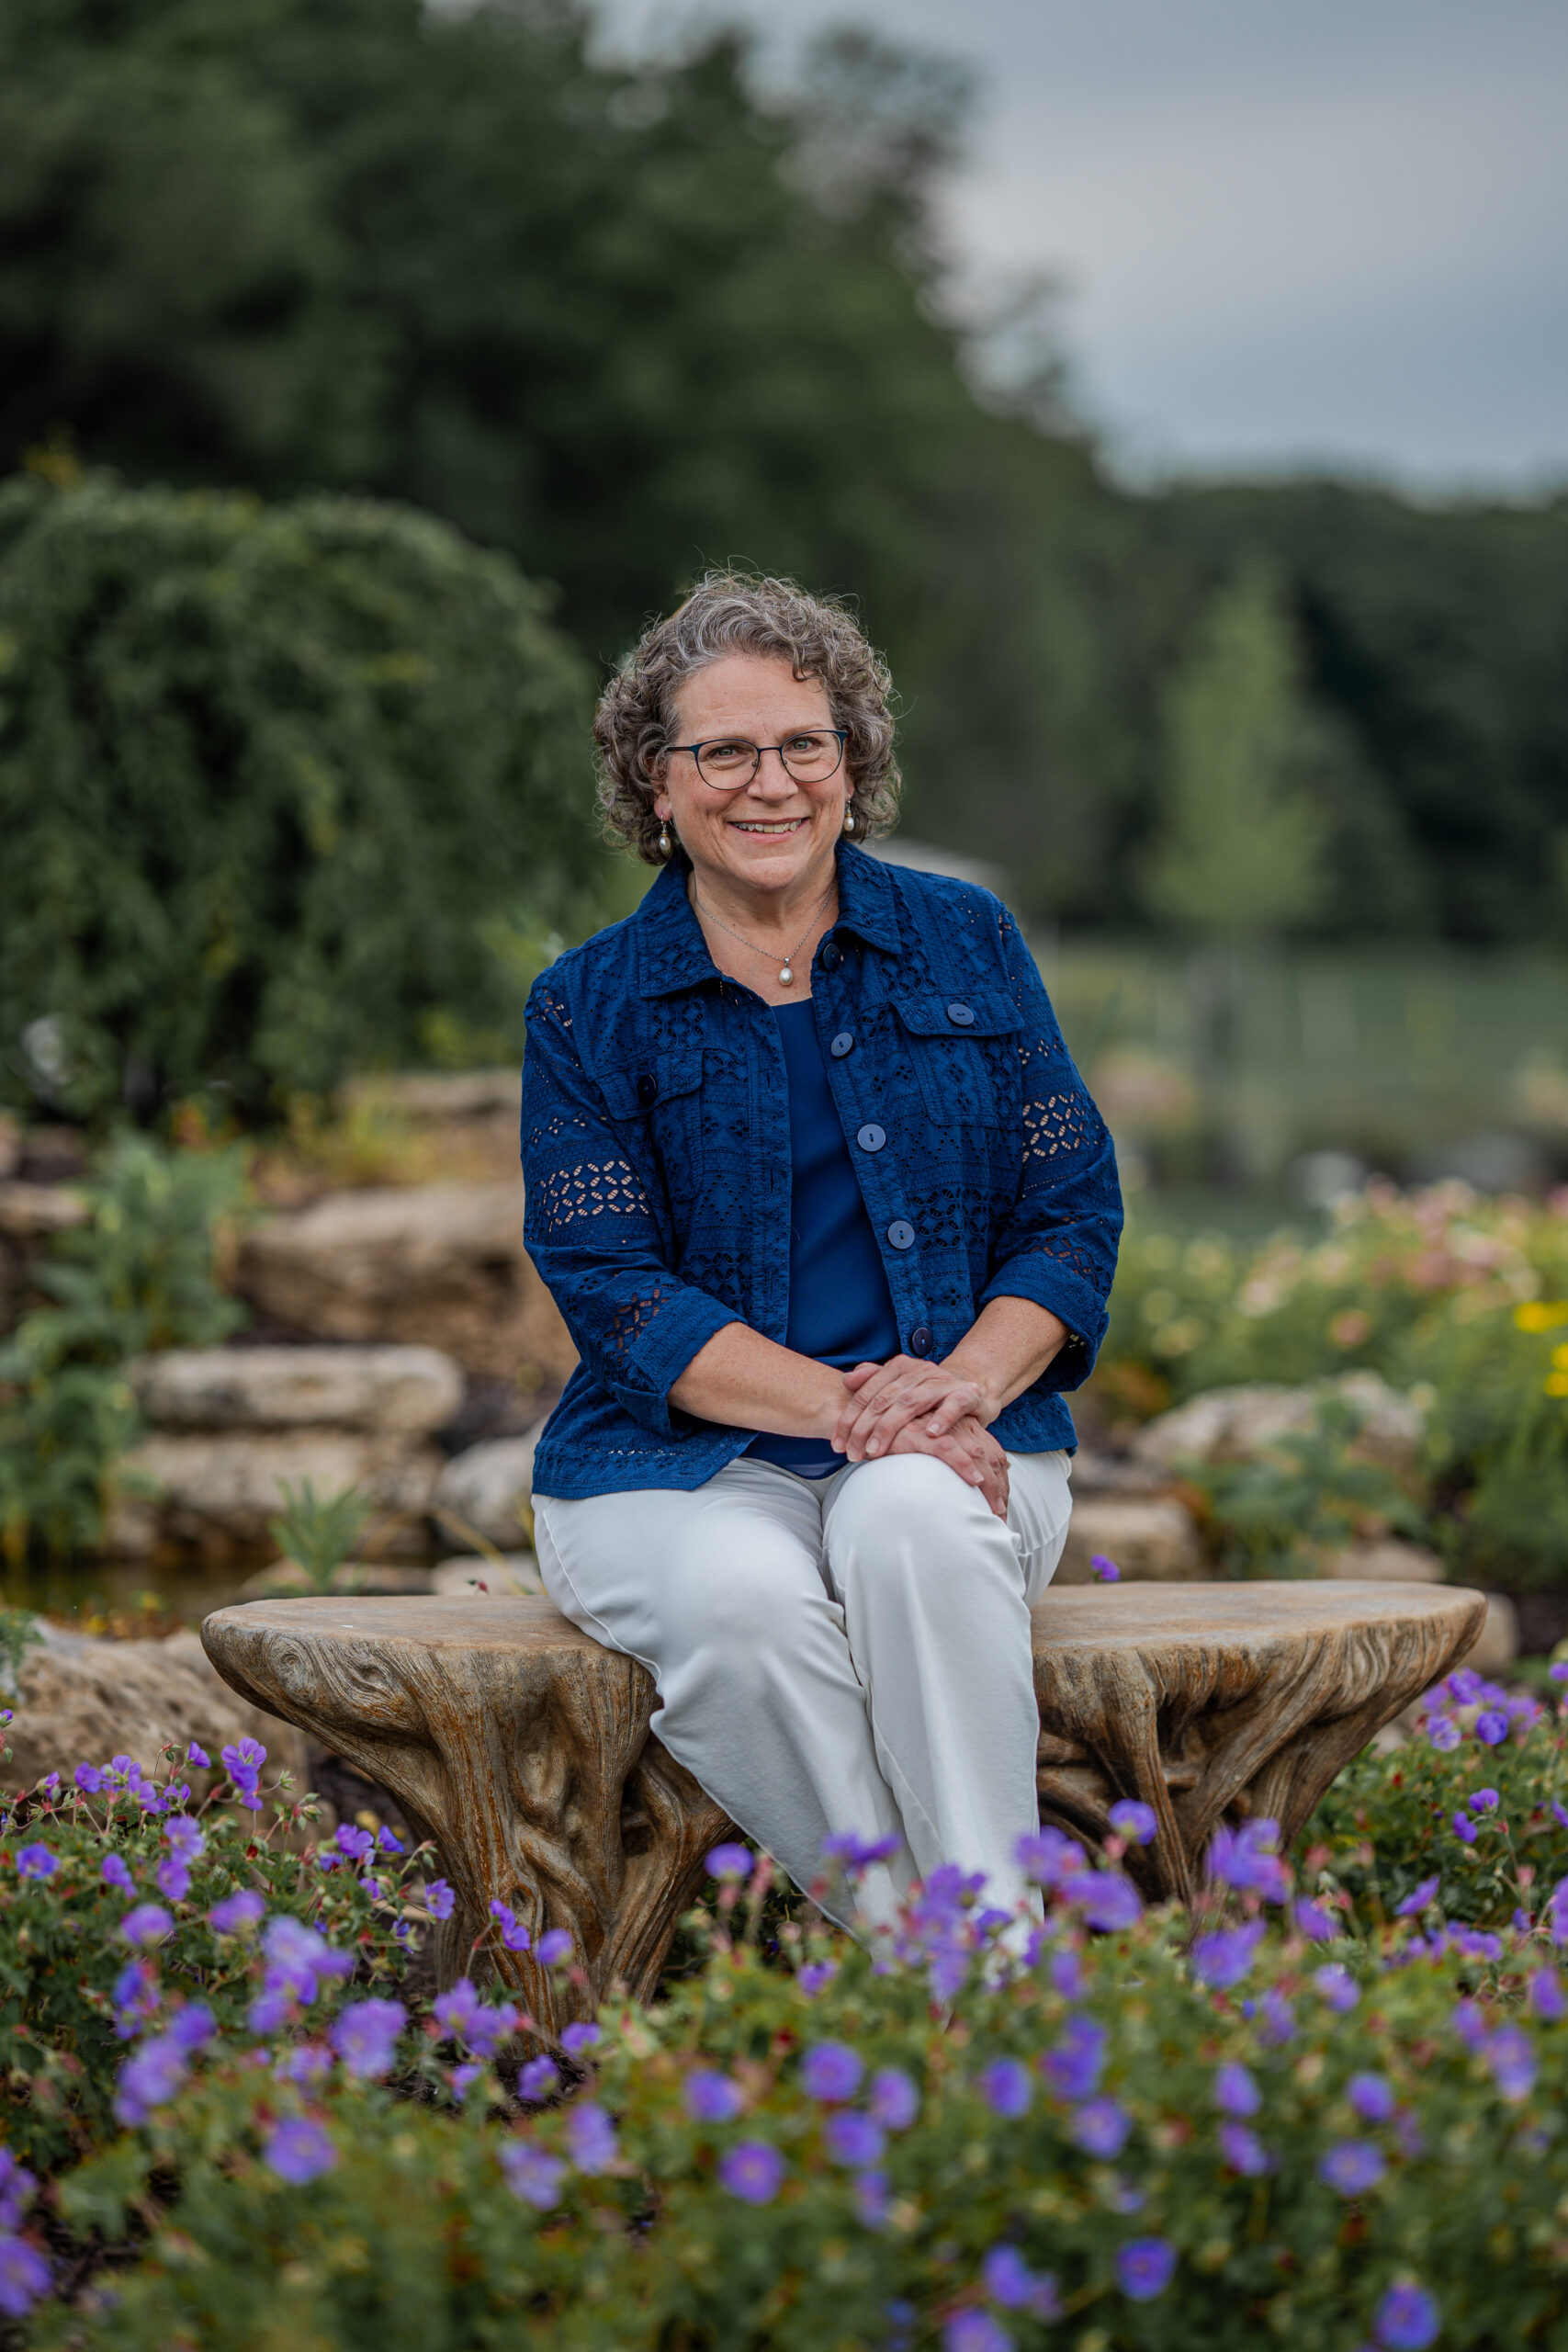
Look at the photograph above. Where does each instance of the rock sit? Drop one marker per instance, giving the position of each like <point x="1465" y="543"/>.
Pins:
<point x="404" y="1390"/>
<point x="439" y="1097"/>
<point x="1236" y="1424"/>
<point x="285" y="1580"/>
<point x="1498" y="1646"/>
<point x="487" y="1490"/>
<point x="213" y="1493"/>
<point x="1151" y="1541"/>
<point x="82" y="1700"/>
<point x="514" y="1572"/>
<point x="1387" y="1562"/>
<point x="1094" y="1473"/>
<point x="442" y="1265"/>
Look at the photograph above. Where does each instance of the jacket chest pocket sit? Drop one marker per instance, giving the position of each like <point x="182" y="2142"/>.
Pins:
<point x="657" y="1106"/>
<point x="964" y="1054"/>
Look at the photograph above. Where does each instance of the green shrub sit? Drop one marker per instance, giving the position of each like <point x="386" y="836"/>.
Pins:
<point x="265" y="777"/>
<point x="1280" y="1513"/>
<point x="142" y="1274"/>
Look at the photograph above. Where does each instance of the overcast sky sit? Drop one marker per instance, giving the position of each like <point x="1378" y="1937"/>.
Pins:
<point x="1329" y="231"/>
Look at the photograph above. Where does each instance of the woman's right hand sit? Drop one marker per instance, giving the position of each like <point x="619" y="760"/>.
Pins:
<point x="969" y="1448"/>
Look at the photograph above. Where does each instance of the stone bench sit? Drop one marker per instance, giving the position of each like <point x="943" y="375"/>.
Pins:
<point x="522" y="1748"/>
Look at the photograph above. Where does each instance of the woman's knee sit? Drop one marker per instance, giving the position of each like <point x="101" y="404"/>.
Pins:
<point x="905" y="1517"/>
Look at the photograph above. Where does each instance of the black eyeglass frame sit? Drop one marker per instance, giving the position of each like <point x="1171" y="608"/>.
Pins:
<point x="840" y="734"/>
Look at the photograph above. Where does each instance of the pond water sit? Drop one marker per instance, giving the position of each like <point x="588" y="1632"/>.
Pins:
<point x="123" y="1595"/>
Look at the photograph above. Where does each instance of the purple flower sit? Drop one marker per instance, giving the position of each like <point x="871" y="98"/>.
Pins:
<point x="453" y="2010"/>
<point x="1468" y="2021"/>
<point x="533" y="2178"/>
<point x="1104" y="1570"/>
<point x="1074" y="2066"/>
<point x="578" y="2038"/>
<point x="1352" y="2166"/>
<point x="1224" y="1959"/>
<point x="1243" y="2150"/>
<point x="830" y="2071"/>
<point x="365" y="2038"/>
<point x="1315" y="1921"/>
<point x="1443" y="1733"/>
<point x="1066" y="1975"/>
<point x="1464" y="1685"/>
<point x="590" y="2136"/>
<point x="540" y="2078"/>
<point x="1279" y="2019"/>
<point x="729" y="1862"/>
<point x="387" y="1842"/>
<point x="1110" y="1901"/>
<point x="712" y="2097"/>
<point x="555" y="1946"/>
<point x="895" y="2100"/>
<point x="856" y="1854"/>
<point x="24" y="2276"/>
<point x="356" y="1844"/>
<point x="1464" y="1828"/>
<point x="753" y="2171"/>
<point x="298" y="1956"/>
<point x="115" y="1873"/>
<point x="1009" y="2281"/>
<point x="1485" y="1800"/>
<point x="1048" y="1857"/>
<point x="1139" y="1824"/>
<point x="245" y="1756"/>
<point x="1492" y="1728"/>
<point x="975" y="2330"/>
<point x="17" y="2187"/>
<point x="1236" y="2093"/>
<point x="1249" y="1860"/>
<point x="1006" y="2088"/>
<point x="268" y="2012"/>
<point x="873" y="2198"/>
<point x="88" y="1779"/>
<point x="1417" y="1898"/>
<point x="36" y="1862"/>
<point x="186" y="1837"/>
<point x="815" y="1974"/>
<point x="1145" y="2268"/>
<point x="193" y="2027"/>
<point x="1372" y="2095"/>
<point x="299" y="2150"/>
<point x="150" y="2079"/>
<point x="1101" y="2128"/>
<point x="1546" y="1994"/>
<point x="237" y="1912"/>
<point x="854" y="2139"/>
<point x="1407" y="2319"/>
<point x="194" y="1754"/>
<point x="1511" y="2058"/>
<point x="439" y="1899"/>
<point x="174" y="1877"/>
<point x="148" y="1924"/>
<point x="310" y="2062"/>
<point x="513" y="1934"/>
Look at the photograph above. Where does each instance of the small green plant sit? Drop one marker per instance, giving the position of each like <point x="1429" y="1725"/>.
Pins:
<point x="1280" y="1513"/>
<point x="18" y="1635"/>
<point x="317" y="1533"/>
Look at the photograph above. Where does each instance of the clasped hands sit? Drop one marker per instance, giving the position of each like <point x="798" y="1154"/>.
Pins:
<point x="905" y="1405"/>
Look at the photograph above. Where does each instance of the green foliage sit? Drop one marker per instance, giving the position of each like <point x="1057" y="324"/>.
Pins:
<point x="18" y="1635"/>
<point x="319" y="1532"/>
<point x="263" y="775"/>
<point x="140" y="1274"/>
<point x="1240" y="854"/>
<point x="1308" y="1493"/>
<point x="1386" y="1826"/>
<point x="64" y="1989"/>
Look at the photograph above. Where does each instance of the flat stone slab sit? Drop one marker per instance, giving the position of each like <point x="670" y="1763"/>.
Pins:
<point x="411" y="1391"/>
<point x="522" y="1748"/>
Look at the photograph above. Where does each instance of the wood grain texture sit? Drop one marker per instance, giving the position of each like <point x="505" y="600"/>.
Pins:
<point x="522" y="1748"/>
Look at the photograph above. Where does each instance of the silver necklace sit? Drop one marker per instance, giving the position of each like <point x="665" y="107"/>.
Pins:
<point x="786" y="969"/>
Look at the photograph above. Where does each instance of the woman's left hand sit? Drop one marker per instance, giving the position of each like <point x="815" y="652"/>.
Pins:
<point x="889" y="1396"/>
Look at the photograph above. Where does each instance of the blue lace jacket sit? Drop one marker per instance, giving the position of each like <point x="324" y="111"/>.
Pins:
<point x="656" y="1157"/>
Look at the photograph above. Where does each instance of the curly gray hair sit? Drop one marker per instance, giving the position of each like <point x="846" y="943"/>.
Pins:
<point x="737" y="612"/>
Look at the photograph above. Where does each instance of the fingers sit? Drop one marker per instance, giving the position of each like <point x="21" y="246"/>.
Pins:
<point x="867" y="1382"/>
<point x="856" y="1378"/>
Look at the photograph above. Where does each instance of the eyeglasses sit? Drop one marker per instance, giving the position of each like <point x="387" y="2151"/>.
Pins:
<point x="727" y="763"/>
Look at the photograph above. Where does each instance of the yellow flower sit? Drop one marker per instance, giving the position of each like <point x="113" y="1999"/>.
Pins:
<point x="1559" y="1357"/>
<point x="1541" y="1314"/>
<point x="1557" y="1383"/>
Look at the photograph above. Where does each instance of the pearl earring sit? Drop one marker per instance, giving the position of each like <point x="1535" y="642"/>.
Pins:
<point x="849" y="819"/>
<point x="663" y="840"/>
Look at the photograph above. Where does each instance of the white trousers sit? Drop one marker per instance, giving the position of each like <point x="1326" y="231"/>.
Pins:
<point x="849" y="1652"/>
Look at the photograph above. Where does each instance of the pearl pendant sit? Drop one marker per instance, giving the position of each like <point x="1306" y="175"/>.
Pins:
<point x="786" y="977"/>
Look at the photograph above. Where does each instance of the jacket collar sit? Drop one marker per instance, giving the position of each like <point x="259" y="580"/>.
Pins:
<point x="673" y="953"/>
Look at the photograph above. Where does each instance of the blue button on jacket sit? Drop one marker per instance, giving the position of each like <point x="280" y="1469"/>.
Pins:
<point x="656" y="1158"/>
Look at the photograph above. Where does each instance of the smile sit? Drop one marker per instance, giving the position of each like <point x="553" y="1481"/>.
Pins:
<point x="768" y="825"/>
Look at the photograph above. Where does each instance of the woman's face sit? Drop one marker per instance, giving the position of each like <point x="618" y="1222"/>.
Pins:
<point x="773" y="832"/>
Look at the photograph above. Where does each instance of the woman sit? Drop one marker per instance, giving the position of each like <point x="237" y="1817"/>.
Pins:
<point x="832" y="1223"/>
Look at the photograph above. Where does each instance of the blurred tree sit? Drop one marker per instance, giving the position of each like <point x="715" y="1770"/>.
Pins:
<point x="269" y="775"/>
<point x="1240" y="852"/>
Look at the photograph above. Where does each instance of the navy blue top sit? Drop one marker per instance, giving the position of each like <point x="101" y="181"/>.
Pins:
<point x="840" y="1309"/>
